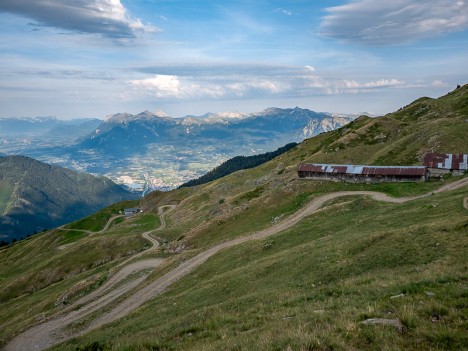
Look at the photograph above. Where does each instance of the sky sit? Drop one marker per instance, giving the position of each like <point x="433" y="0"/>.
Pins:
<point x="93" y="58"/>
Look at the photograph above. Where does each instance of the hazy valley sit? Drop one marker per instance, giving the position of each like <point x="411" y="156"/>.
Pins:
<point x="152" y="151"/>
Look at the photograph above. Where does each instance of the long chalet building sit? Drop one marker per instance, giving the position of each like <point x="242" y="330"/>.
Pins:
<point x="362" y="174"/>
<point x="435" y="165"/>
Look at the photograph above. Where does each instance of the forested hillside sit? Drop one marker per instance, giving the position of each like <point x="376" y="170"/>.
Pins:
<point x="237" y="163"/>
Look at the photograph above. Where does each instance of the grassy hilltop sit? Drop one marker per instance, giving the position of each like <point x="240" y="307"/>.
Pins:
<point x="307" y="288"/>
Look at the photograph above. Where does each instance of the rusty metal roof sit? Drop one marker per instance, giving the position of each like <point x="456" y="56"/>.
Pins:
<point x="446" y="161"/>
<point x="363" y="170"/>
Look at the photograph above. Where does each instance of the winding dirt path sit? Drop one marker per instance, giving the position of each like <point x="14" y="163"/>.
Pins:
<point x="128" y="268"/>
<point x="162" y="211"/>
<point x="51" y="333"/>
<point x="47" y="334"/>
<point x="89" y="232"/>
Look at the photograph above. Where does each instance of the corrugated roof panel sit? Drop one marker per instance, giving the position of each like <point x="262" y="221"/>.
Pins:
<point x="455" y="162"/>
<point x="464" y="163"/>
<point x="328" y="169"/>
<point x="394" y="171"/>
<point x="364" y="170"/>
<point x="339" y="169"/>
<point x="353" y="169"/>
<point x="446" y="161"/>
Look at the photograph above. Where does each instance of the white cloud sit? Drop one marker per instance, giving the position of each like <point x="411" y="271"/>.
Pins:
<point x="265" y="85"/>
<point x="108" y="18"/>
<point x="171" y="86"/>
<point x="394" y="22"/>
<point x="438" y="84"/>
<point x="340" y="86"/>
<point x="160" y="85"/>
<point x="181" y="87"/>
<point x="381" y="83"/>
<point x="309" y="68"/>
<point x="209" y="90"/>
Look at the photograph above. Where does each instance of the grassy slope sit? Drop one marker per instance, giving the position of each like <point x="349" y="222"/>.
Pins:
<point x="216" y="306"/>
<point x="402" y="137"/>
<point x="425" y="125"/>
<point x="40" y="274"/>
<point x="98" y="220"/>
<point x="311" y="286"/>
<point x="219" y="313"/>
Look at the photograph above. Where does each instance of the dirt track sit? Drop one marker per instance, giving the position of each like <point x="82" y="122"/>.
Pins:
<point x="50" y="333"/>
<point x="89" y="232"/>
<point x="108" y="223"/>
<point x="47" y="334"/>
<point x="128" y="268"/>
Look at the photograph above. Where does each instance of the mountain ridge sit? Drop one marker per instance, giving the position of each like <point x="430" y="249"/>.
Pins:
<point x="16" y="126"/>
<point x="160" y="127"/>
<point x="37" y="196"/>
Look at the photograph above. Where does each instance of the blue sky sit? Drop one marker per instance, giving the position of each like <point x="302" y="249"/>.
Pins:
<point x="92" y="58"/>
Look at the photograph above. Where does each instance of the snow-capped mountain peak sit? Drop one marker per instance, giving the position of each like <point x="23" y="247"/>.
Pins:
<point x="212" y="118"/>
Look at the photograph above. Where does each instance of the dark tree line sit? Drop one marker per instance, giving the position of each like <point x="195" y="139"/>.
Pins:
<point x="237" y="163"/>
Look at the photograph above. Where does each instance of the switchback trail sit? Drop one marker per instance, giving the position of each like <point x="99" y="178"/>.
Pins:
<point x="44" y="334"/>
<point x="128" y="268"/>
<point x="51" y="333"/>
<point x="90" y="232"/>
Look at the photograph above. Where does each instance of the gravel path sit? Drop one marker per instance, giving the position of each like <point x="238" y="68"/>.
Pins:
<point x="108" y="223"/>
<point x="129" y="268"/>
<point x="50" y="333"/>
<point x="89" y="232"/>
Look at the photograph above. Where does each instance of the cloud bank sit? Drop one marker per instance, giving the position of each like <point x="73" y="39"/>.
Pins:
<point x="395" y="22"/>
<point x="243" y="82"/>
<point x="108" y="18"/>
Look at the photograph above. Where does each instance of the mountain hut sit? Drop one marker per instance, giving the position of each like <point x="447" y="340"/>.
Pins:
<point x="362" y="174"/>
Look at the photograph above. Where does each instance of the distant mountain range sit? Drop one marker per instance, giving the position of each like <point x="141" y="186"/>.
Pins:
<point x="36" y="196"/>
<point x="47" y="127"/>
<point x="151" y="150"/>
<point x="269" y="129"/>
